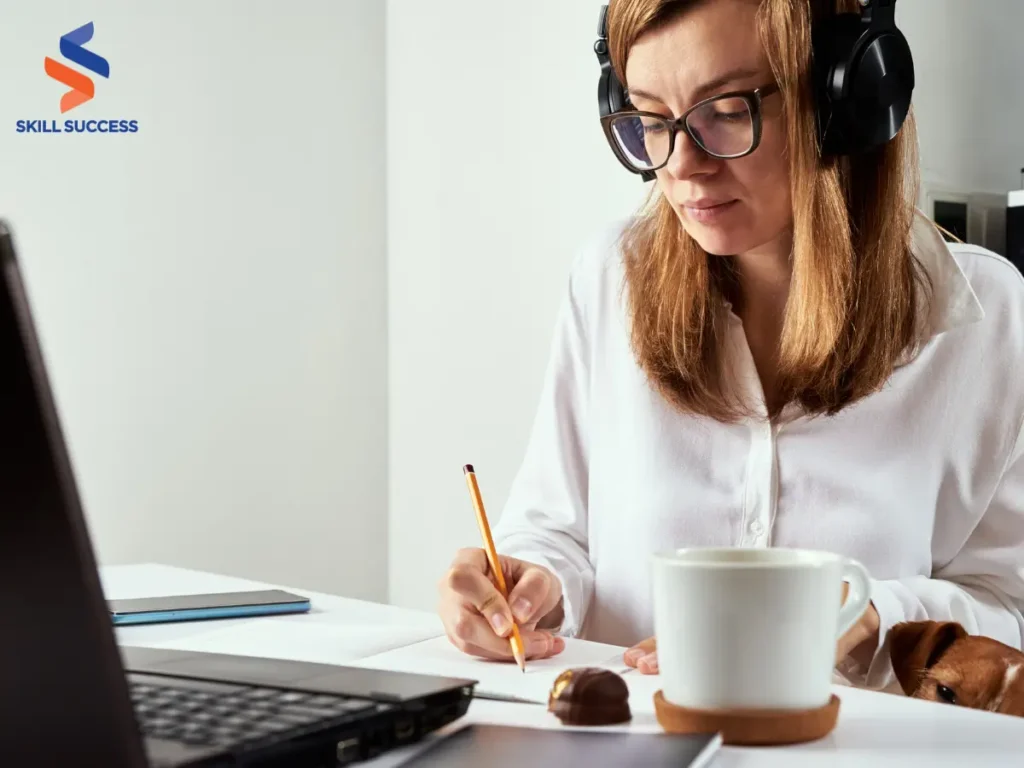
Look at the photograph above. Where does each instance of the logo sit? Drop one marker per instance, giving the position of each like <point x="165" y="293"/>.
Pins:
<point x="72" y="47"/>
<point x="82" y="88"/>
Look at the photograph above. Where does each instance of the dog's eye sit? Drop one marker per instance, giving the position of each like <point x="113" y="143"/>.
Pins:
<point x="947" y="695"/>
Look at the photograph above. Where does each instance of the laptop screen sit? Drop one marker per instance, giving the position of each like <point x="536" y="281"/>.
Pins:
<point x="62" y="689"/>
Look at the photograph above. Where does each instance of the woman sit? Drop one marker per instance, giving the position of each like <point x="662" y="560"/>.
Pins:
<point x="780" y="352"/>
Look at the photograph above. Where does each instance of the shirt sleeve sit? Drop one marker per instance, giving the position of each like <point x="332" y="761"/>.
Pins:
<point x="982" y="588"/>
<point x="544" y="520"/>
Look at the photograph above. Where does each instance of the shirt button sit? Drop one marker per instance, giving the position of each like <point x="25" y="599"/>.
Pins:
<point x="756" y="528"/>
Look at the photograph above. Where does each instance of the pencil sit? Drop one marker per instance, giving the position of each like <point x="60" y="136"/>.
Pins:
<point x="516" y="641"/>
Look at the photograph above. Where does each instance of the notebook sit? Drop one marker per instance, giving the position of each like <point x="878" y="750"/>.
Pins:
<point x="503" y="681"/>
<point x="498" y="746"/>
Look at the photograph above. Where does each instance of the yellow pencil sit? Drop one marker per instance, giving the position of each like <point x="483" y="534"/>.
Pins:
<point x="518" y="651"/>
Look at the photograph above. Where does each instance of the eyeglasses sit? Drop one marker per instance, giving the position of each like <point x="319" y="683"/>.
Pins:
<point x="726" y="126"/>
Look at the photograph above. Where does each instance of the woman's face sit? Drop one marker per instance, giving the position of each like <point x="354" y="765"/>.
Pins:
<point x="730" y="207"/>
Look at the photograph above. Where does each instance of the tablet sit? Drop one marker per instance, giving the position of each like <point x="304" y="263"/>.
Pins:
<point x="221" y="605"/>
<point x="500" y="746"/>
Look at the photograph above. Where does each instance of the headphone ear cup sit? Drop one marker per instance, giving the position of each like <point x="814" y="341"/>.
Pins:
<point x="617" y="97"/>
<point x="834" y="42"/>
<point x="881" y="89"/>
<point x="864" y="82"/>
<point x="611" y="95"/>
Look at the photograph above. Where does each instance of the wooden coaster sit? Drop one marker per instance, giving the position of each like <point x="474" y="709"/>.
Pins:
<point x="751" y="727"/>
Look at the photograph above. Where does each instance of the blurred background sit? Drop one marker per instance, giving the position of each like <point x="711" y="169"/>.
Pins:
<point x="322" y="276"/>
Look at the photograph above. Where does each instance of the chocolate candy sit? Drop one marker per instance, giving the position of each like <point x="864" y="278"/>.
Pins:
<point x="589" y="696"/>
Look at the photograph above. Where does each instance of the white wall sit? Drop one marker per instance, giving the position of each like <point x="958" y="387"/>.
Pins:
<point x="970" y="105"/>
<point x="212" y="290"/>
<point x="969" y="99"/>
<point x="497" y="171"/>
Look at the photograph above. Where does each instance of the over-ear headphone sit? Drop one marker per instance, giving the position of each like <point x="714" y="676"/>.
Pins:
<point x="611" y="95"/>
<point x="863" y="74"/>
<point x="864" y="79"/>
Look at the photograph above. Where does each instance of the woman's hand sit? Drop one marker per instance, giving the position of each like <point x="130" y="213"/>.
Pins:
<point x="859" y="643"/>
<point x="478" y="620"/>
<point x="861" y="640"/>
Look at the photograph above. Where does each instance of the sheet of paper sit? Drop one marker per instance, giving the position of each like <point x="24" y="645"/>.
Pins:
<point x="286" y="638"/>
<point x="502" y="680"/>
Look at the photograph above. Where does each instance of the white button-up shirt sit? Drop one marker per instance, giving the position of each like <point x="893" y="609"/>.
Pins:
<point x="922" y="482"/>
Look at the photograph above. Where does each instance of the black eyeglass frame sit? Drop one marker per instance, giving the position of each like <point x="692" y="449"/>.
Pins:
<point x="753" y="98"/>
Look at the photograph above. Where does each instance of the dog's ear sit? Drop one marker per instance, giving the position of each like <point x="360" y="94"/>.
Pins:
<point x="915" y="646"/>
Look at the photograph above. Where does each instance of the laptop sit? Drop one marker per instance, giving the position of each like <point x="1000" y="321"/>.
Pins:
<point x="70" y="696"/>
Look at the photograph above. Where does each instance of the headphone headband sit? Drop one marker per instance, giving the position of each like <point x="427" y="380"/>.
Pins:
<point x="878" y="12"/>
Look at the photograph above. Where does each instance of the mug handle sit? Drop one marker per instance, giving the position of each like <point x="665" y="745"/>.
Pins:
<point x="857" y="598"/>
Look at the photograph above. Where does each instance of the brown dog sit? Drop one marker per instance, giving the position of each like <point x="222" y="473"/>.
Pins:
<point x="939" y="661"/>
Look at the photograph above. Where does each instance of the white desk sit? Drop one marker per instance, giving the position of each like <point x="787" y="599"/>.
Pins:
<point x="875" y="729"/>
<point x="337" y="629"/>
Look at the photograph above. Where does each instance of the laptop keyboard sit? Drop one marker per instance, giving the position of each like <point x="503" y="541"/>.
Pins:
<point x="222" y="715"/>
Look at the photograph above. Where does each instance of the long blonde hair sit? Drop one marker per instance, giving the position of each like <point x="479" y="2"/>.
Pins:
<point x="853" y="307"/>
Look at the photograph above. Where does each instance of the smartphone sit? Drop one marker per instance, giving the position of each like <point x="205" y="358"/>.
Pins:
<point x="222" y="605"/>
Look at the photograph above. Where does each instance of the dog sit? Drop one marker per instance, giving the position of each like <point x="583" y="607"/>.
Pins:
<point x="939" y="661"/>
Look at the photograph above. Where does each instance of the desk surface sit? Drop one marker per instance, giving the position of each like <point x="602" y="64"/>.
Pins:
<point x="337" y="629"/>
<point x="874" y="729"/>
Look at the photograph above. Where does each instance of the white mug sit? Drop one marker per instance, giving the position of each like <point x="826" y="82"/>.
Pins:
<point x="745" y="628"/>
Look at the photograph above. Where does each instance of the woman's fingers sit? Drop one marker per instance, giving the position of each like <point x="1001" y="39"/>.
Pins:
<point x="470" y="586"/>
<point x="530" y="599"/>
<point x="648" y="665"/>
<point x="471" y="634"/>
<point x="639" y="651"/>
<point x="542" y="645"/>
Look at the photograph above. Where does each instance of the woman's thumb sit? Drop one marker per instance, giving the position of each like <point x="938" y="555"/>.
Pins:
<point x="530" y="597"/>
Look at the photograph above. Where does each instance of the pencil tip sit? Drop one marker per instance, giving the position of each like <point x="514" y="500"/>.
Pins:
<point x="468" y="468"/>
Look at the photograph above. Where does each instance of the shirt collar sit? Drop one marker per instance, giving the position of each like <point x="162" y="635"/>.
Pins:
<point x="952" y="302"/>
